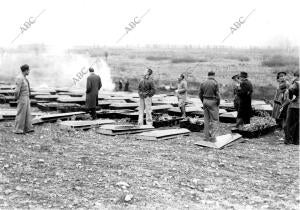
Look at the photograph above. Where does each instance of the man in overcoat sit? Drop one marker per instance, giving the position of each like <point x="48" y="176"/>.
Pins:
<point x="93" y="86"/>
<point x="23" y="118"/>
<point x="244" y="94"/>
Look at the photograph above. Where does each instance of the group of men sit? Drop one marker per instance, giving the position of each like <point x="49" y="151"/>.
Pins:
<point x="286" y="106"/>
<point x="209" y="94"/>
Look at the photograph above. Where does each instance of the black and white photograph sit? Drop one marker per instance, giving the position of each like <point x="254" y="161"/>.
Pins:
<point x="149" y="104"/>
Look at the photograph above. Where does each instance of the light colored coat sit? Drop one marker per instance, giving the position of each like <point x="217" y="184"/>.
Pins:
<point x="23" y="118"/>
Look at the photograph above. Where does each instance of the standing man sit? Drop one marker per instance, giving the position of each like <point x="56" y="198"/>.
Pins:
<point x="210" y="97"/>
<point x="93" y="85"/>
<point x="146" y="90"/>
<point x="236" y="86"/>
<point x="244" y="94"/>
<point x="126" y="88"/>
<point x="23" y="122"/>
<point x="281" y="100"/>
<point x="292" y="120"/>
<point x="120" y="85"/>
<point x="181" y="93"/>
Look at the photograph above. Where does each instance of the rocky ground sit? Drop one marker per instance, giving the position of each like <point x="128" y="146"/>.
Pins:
<point x="54" y="168"/>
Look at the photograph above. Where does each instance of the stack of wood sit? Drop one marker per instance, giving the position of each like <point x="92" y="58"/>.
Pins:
<point x="113" y="130"/>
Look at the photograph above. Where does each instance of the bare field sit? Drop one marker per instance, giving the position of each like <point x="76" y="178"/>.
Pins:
<point x="58" y="169"/>
<point x="54" y="168"/>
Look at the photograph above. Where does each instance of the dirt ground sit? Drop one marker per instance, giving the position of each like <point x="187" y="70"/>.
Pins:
<point x="58" y="169"/>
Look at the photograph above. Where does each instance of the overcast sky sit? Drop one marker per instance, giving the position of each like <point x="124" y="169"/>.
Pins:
<point x="176" y="22"/>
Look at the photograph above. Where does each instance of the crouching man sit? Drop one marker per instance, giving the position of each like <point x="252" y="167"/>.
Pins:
<point x="146" y="90"/>
<point x="23" y="122"/>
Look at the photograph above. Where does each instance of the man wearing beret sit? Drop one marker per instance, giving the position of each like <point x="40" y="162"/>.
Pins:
<point x="23" y="122"/>
<point x="244" y="94"/>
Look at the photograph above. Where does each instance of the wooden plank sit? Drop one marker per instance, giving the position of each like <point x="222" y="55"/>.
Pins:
<point x="229" y="114"/>
<point x="60" y="115"/>
<point x="54" y="106"/>
<point x="46" y="97"/>
<point x="11" y="113"/>
<point x="162" y="134"/>
<point x="112" y="101"/>
<point x="123" y="129"/>
<point x="84" y="124"/>
<point x="118" y="113"/>
<point x="228" y="117"/>
<point x="7" y="87"/>
<point x="189" y="109"/>
<point x="221" y="141"/>
<point x="7" y="99"/>
<point x="123" y="105"/>
<point x="33" y="102"/>
<point x="159" y="107"/>
<point x="265" y="107"/>
<point x="79" y="100"/>
<point x="7" y="92"/>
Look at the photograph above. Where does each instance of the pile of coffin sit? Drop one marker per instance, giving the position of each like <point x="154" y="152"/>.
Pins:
<point x="115" y="105"/>
<point x="142" y="132"/>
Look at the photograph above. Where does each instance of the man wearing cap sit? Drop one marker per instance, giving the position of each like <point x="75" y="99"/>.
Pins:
<point x="181" y="93"/>
<point x="210" y="97"/>
<point x="146" y="90"/>
<point x="292" y="120"/>
<point x="244" y="94"/>
<point x="93" y="86"/>
<point x="23" y="122"/>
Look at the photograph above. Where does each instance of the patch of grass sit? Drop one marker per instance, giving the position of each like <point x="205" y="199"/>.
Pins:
<point x="280" y="60"/>
<point x="157" y="58"/>
<point x="238" y="57"/>
<point x="187" y="60"/>
<point x="290" y="69"/>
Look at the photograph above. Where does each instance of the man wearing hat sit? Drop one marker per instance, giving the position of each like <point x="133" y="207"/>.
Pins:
<point x="210" y="97"/>
<point x="146" y="90"/>
<point x="244" y="94"/>
<point x="181" y="93"/>
<point x="23" y="122"/>
<point x="93" y="86"/>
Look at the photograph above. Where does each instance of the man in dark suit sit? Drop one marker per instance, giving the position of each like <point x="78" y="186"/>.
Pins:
<point x="93" y="85"/>
<point x="244" y="94"/>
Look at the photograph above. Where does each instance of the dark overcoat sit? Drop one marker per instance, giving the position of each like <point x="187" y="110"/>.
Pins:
<point x="244" y="94"/>
<point x="93" y="85"/>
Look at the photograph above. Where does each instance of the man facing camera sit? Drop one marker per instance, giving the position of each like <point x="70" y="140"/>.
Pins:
<point x="23" y="122"/>
<point x="93" y="86"/>
<point x="146" y="90"/>
<point x="181" y="93"/>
